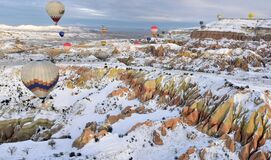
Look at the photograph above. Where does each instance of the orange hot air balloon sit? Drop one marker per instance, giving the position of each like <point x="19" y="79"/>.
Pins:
<point x="67" y="47"/>
<point x="154" y="31"/>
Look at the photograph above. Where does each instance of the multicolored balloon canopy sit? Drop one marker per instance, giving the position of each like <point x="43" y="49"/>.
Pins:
<point x="40" y="77"/>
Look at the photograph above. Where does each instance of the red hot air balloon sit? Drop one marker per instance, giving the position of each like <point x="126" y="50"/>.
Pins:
<point x="67" y="47"/>
<point x="55" y="10"/>
<point x="154" y="31"/>
<point x="137" y="42"/>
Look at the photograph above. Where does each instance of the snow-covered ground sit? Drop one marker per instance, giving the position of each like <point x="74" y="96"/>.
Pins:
<point x="210" y="68"/>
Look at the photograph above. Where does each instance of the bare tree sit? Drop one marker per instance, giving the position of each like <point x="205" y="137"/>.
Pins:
<point x="12" y="150"/>
<point x="52" y="143"/>
<point x="26" y="150"/>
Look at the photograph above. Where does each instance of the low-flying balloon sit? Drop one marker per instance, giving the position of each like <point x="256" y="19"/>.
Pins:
<point x="67" y="47"/>
<point x="40" y="77"/>
<point x="103" y="31"/>
<point x="55" y="10"/>
<point x="103" y="43"/>
<point x="148" y="39"/>
<point x="132" y="41"/>
<point x="154" y="31"/>
<point x="137" y="42"/>
<point x="61" y="34"/>
<point x="202" y="26"/>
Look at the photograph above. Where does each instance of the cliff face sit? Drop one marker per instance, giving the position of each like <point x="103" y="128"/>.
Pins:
<point x="197" y="34"/>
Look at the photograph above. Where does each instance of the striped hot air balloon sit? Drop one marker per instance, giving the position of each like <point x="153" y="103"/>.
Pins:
<point x="40" y="77"/>
<point x="104" y="31"/>
<point x="55" y="10"/>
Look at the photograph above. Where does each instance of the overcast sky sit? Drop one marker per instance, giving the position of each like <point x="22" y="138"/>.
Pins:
<point x="131" y="13"/>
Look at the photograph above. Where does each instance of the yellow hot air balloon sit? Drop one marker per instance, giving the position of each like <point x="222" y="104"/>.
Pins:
<point x="251" y="16"/>
<point x="55" y="10"/>
<point x="40" y="77"/>
<point x="103" y="43"/>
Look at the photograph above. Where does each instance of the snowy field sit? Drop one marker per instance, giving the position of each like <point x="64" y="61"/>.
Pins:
<point x="127" y="101"/>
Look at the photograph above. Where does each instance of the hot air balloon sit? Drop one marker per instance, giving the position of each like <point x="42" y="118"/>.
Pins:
<point x="202" y="26"/>
<point x="103" y="43"/>
<point x="132" y="41"/>
<point x="148" y="39"/>
<point x="67" y="47"/>
<point x="251" y="15"/>
<point x="61" y="34"/>
<point x="55" y="10"/>
<point x="104" y="31"/>
<point x="137" y="42"/>
<point x="40" y="77"/>
<point x="154" y="31"/>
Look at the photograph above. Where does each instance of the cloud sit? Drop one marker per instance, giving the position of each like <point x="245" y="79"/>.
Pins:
<point x="83" y="12"/>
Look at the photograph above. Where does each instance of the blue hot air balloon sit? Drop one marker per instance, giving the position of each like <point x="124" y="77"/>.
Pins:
<point x="61" y="33"/>
<point x="148" y="39"/>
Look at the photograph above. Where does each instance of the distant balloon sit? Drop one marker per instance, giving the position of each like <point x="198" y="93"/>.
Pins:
<point x="154" y="31"/>
<point x="67" y="47"/>
<point x="61" y="34"/>
<point x="251" y="15"/>
<point x="55" y="10"/>
<point x="103" y="43"/>
<point x="219" y="17"/>
<point x="132" y="41"/>
<point x="40" y="77"/>
<point x="202" y="26"/>
<point x="104" y="31"/>
<point x="137" y="42"/>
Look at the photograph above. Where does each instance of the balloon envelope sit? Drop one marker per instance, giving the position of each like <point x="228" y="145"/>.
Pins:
<point x="103" y="43"/>
<point x="137" y="42"/>
<point x="40" y="77"/>
<point x="67" y="46"/>
<point x="104" y="31"/>
<point x="61" y="34"/>
<point x="55" y="10"/>
<point x="154" y="30"/>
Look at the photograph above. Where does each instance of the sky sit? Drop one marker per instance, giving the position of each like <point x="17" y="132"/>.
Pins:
<point x="131" y="13"/>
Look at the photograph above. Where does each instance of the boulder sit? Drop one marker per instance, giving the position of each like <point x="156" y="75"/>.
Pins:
<point x="119" y="92"/>
<point x="156" y="138"/>
<point x="25" y="129"/>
